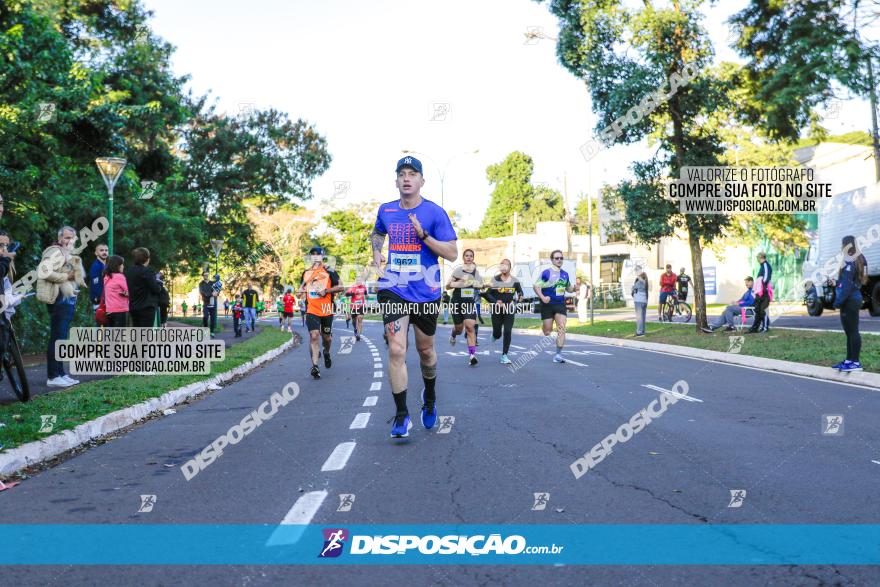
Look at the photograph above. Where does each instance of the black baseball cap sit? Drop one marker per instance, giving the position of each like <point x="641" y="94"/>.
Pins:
<point x="316" y="250"/>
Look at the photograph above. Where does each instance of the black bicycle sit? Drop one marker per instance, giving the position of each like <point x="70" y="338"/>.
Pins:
<point x="11" y="362"/>
<point x="675" y="310"/>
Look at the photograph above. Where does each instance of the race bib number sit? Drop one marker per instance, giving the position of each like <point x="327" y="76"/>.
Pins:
<point x="560" y="290"/>
<point x="467" y="292"/>
<point x="404" y="262"/>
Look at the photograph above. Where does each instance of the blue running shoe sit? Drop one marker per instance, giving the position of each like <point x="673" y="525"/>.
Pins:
<point x="838" y="365"/>
<point x="851" y="366"/>
<point x="401" y="427"/>
<point x="429" y="413"/>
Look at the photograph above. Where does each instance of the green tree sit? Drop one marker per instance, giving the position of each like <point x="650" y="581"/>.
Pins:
<point x="625" y="53"/>
<point x="261" y="160"/>
<point x="797" y="52"/>
<point x="582" y="215"/>
<point x="514" y="192"/>
<point x="350" y="230"/>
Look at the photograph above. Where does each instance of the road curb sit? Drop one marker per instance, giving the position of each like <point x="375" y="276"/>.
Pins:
<point x="42" y="450"/>
<point x="776" y="365"/>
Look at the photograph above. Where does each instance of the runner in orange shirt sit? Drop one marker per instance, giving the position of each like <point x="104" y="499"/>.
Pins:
<point x="319" y="283"/>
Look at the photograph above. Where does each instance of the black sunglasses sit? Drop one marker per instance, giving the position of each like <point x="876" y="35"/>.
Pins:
<point x="557" y="258"/>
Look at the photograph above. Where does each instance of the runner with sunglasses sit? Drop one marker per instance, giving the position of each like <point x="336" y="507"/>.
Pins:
<point x="551" y="289"/>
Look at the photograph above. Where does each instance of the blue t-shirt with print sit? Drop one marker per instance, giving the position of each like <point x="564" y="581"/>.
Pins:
<point x="554" y="284"/>
<point x="412" y="271"/>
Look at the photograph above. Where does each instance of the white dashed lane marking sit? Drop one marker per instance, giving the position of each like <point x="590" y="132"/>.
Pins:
<point x="376" y="386"/>
<point x="339" y="457"/>
<point x="299" y="515"/>
<point x="360" y="421"/>
<point x="371" y="401"/>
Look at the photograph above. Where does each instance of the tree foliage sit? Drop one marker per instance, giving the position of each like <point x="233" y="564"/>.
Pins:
<point x="514" y="192"/>
<point x="625" y="52"/>
<point x="81" y="79"/>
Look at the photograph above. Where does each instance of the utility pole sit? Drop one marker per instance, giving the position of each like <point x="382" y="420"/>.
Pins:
<point x="513" y="255"/>
<point x="590" y="224"/>
<point x="567" y="211"/>
<point x="875" y="138"/>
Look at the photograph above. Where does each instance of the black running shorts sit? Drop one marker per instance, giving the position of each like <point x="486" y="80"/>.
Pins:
<point x="548" y="311"/>
<point x="322" y="323"/>
<point x="422" y="315"/>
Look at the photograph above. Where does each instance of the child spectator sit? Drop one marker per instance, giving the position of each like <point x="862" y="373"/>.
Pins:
<point x="237" y="315"/>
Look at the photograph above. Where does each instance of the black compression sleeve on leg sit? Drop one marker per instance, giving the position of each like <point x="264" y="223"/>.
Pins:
<point x="400" y="402"/>
<point x="429" y="376"/>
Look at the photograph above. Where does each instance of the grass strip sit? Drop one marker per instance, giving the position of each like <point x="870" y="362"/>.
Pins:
<point x="92" y="399"/>
<point x="800" y="346"/>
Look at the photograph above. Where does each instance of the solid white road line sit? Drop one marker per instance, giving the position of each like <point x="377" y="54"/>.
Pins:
<point x="360" y="421"/>
<point x="339" y="457"/>
<point x="568" y="359"/>
<point x="300" y="514"/>
<point x="371" y="401"/>
<point x="376" y="386"/>
<point x="673" y="393"/>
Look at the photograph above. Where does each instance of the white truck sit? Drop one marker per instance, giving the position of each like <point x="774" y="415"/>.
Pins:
<point x="856" y="213"/>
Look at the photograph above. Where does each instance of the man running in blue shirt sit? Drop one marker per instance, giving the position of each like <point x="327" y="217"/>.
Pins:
<point x="551" y="288"/>
<point x="419" y="231"/>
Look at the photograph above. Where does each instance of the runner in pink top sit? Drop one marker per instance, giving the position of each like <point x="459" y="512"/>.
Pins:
<point x="116" y="292"/>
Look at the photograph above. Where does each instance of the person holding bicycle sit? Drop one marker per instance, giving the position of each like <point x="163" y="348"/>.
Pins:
<point x="668" y="281"/>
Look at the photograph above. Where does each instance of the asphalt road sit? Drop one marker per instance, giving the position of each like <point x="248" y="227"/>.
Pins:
<point x="513" y="435"/>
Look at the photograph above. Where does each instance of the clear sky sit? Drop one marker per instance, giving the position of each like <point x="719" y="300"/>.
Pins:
<point x="368" y="73"/>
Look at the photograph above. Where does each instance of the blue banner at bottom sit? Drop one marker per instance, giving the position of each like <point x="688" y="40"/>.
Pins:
<point x="166" y="544"/>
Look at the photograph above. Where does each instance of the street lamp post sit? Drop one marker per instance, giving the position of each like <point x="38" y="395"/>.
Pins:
<point x="442" y="171"/>
<point x="217" y="245"/>
<point x="111" y="170"/>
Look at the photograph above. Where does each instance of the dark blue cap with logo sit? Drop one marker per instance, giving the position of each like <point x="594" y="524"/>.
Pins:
<point x="409" y="161"/>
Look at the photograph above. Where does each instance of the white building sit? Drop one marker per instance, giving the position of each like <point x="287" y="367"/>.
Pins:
<point x="613" y="262"/>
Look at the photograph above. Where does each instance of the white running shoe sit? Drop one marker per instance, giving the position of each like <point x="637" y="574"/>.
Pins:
<point x="70" y="379"/>
<point x="557" y="358"/>
<point x="452" y="340"/>
<point x="58" y="382"/>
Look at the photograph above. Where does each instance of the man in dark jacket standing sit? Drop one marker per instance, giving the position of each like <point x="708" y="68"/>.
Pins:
<point x="143" y="290"/>
<point x="209" y="301"/>
<point x="96" y="275"/>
